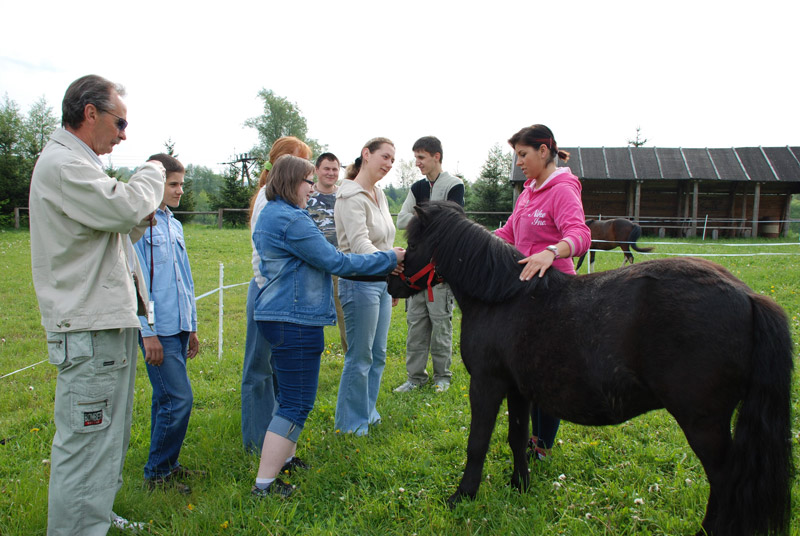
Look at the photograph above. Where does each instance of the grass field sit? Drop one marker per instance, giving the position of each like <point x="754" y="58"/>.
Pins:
<point x="636" y="478"/>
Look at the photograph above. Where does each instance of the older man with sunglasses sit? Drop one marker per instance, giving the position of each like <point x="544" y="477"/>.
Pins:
<point x="82" y="224"/>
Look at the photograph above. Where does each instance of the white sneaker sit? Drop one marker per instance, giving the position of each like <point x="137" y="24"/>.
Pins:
<point x="121" y="523"/>
<point x="442" y="386"/>
<point x="406" y="387"/>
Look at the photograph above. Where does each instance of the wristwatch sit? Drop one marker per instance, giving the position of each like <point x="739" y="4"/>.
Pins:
<point x="554" y="249"/>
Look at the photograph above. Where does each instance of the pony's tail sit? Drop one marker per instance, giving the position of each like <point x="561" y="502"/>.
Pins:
<point x="636" y="233"/>
<point x="758" y="497"/>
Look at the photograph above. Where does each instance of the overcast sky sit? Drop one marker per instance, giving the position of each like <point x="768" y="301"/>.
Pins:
<point x="691" y="74"/>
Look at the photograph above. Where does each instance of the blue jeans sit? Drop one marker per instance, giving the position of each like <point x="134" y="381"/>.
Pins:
<point x="545" y="427"/>
<point x="171" y="408"/>
<point x="367" y="312"/>
<point x="296" y="352"/>
<point x="258" y="383"/>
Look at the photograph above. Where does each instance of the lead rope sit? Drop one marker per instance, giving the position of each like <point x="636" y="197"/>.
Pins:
<point x="151" y="306"/>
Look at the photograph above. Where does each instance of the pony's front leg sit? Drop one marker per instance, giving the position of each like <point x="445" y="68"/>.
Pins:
<point x="485" y="396"/>
<point x="519" y="413"/>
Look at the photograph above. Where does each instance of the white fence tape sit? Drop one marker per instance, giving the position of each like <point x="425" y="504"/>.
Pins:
<point x="689" y="244"/>
<point x="23" y="368"/>
<point x="196" y="298"/>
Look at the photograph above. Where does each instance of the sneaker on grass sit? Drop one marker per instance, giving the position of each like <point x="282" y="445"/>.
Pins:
<point x="182" y="472"/>
<point x="442" y="386"/>
<point x="294" y="463"/>
<point x="166" y="482"/>
<point x="121" y="523"/>
<point x="406" y="387"/>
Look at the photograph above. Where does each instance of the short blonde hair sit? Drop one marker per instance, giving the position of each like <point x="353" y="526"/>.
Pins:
<point x="285" y="176"/>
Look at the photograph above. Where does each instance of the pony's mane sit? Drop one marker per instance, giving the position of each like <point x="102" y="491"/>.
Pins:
<point x="464" y="251"/>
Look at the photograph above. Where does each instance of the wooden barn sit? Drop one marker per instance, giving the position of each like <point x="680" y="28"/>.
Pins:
<point x="744" y="191"/>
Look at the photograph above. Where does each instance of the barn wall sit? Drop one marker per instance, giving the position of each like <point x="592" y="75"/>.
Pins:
<point x="728" y="204"/>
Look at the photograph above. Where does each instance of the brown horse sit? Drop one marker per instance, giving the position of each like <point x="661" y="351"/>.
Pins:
<point x="681" y="334"/>
<point x="609" y="234"/>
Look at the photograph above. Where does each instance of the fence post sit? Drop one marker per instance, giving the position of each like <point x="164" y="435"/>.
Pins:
<point x="221" y="307"/>
<point x="16" y="217"/>
<point x="219" y="218"/>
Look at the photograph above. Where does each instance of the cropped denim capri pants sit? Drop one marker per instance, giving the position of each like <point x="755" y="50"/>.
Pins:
<point x="296" y="352"/>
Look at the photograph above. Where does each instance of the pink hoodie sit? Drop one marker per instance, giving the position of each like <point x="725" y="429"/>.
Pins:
<point x="547" y="215"/>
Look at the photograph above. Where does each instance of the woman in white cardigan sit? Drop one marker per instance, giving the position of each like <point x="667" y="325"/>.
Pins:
<point x="364" y="225"/>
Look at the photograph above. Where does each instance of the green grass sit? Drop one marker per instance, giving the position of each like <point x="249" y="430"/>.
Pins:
<point x="393" y="481"/>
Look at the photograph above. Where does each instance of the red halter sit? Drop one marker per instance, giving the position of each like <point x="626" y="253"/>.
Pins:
<point x="430" y="270"/>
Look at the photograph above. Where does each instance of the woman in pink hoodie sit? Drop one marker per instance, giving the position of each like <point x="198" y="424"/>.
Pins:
<point x="548" y="225"/>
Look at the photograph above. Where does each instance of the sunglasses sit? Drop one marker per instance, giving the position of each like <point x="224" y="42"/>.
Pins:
<point x="121" y="123"/>
<point x="308" y="182"/>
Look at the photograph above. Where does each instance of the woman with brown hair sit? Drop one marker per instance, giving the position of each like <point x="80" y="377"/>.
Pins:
<point x="295" y="304"/>
<point x="364" y="225"/>
<point x="549" y="226"/>
<point x="258" y="383"/>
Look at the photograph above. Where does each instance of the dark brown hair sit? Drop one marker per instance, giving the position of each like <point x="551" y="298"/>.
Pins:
<point x="285" y="176"/>
<point x="429" y="144"/>
<point x="171" y="164"/>
<point x="535" y="136"/>
<point x="373" y="145"/>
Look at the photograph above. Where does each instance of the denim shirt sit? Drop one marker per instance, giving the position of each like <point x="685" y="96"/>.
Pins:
<point x="173" y="286"/>
<point x="297" y="260"/>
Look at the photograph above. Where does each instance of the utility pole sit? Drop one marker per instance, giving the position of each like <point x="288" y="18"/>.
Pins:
<point x="246" y="161"/>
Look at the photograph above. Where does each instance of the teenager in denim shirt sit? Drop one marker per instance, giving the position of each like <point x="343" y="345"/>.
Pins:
<point x="171" y="340"/>
<point x="295" y="304"/>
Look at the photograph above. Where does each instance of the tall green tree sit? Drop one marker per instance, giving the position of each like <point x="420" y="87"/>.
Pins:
<point x="233" y="194"/>
<point x="13" y="167"/>
<point x="22" y="138"/>
<point x="280" y="118"/>
<point x="37" y="128"/>
<point x="10" y="127"/>
<point x="492" y="192"/>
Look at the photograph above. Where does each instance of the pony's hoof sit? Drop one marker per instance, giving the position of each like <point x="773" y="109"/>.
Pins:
<point x="521" y="485"/>
<point x="453" y="500"/>
<point x="457" y="497"/>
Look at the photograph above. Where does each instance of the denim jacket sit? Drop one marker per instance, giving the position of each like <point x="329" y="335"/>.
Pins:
<point x="297" y="260"/>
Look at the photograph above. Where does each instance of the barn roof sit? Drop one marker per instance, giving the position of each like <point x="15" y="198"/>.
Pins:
<point x="757" y="164"/>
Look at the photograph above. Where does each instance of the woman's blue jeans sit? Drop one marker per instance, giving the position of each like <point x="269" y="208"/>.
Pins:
<point x="171" y="407"/>
<point x="544" y="426"/>
<point x="367" y="312"/>
<point x="258" y="383"/>
<point x="296" y="352"/>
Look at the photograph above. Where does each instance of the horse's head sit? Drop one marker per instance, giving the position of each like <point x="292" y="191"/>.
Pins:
<point x="419" y="266"/>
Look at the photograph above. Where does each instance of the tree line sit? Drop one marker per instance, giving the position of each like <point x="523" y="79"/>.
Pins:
<point x="24" y="135"/>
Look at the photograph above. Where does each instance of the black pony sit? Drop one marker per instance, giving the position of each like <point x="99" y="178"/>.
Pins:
<point x="681" y="334"/>
<point x="614" y="233"/>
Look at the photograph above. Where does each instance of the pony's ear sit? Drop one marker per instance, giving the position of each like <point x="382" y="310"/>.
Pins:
<point x="422" y="212"/>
